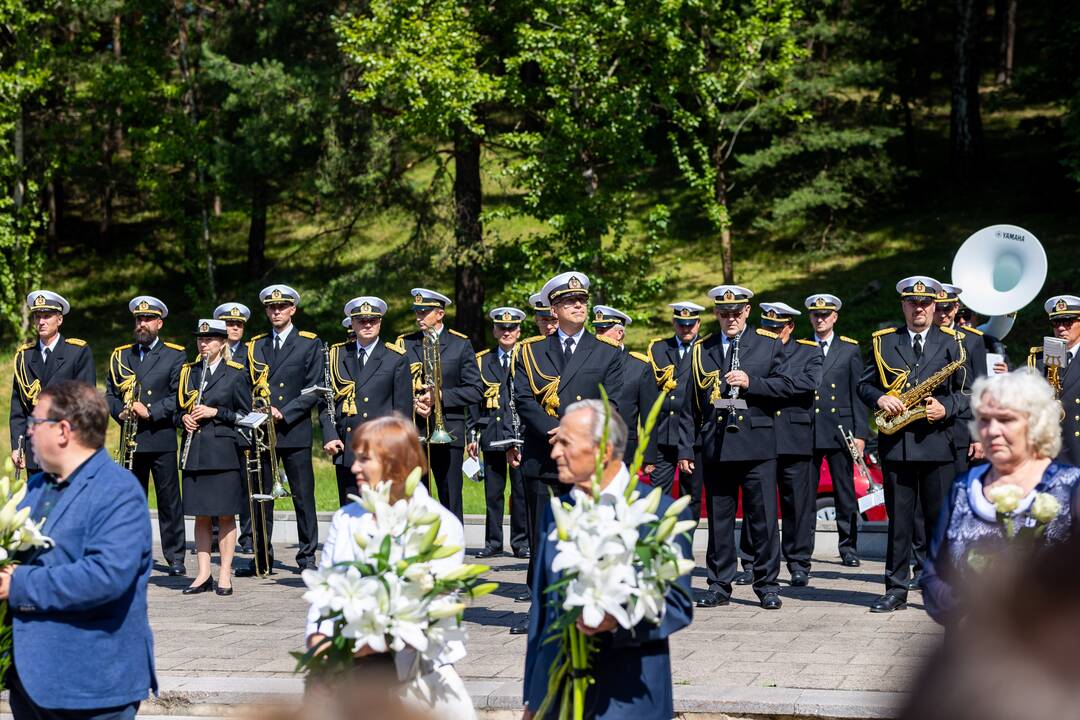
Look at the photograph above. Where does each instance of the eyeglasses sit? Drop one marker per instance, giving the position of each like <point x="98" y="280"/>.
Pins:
<point x="1063" y="321"/>
<point x="35" y="421"/>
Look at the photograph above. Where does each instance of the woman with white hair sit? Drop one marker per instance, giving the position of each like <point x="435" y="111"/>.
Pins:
<point x="1022" y="490"/>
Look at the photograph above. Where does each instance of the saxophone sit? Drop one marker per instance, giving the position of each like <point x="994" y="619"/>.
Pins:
<point x="915" y="399"/>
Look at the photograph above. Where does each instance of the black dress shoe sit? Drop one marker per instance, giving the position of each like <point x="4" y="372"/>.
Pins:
<point x="523" y="597"/>
<point x="771" y="601"/>
<point x="487" y="552"/>
<point x="800" y="578"/>
<point x="177" y="570"/>
<point x="249" y="571"/>
<point x="888" y="603"/>
<point x="522" y="553"/>
<point x="246" y="550"/>
<point x="746" y="577"/>
<point x="913" y="583"/>
<point x="306" y="565"/>
<point x="223" y="590"/>
<point x="520" y="629"/>
<point x="712" y="598"/>
<point x="850" y="560"/>
<point x="205" y="586"/>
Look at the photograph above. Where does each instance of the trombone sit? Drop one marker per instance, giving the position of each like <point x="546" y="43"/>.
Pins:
<point x="263" y="443"/>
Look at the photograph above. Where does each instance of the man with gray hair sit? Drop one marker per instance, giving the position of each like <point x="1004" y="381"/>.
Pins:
<point x="632" y="668"/>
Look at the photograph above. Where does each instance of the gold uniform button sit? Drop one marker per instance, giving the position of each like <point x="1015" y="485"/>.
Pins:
<point x="149" y="392"/>
<point x="498" y="418"/>
<point x="671" y="412"/>
<point x="281" y="384"/>
<point x="1076" y="417"/>
<point x="817" y="410"/>
<point x="1077" y="433"/>
<point x="740" y="418"/>
<point x="832" y="385"/>
<point x="832" y="397"/>
<point x="578" y="397"/>
<point x="365" y="414"/>
<point x="280" y="397"/>
<point x="832" y="409"/>
<point x="348" y="429"/>
<point x="777" y="413"/>
<point x="365" y="399"/>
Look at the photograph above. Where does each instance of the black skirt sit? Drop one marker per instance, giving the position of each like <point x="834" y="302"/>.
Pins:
<point x="213" y="493"/>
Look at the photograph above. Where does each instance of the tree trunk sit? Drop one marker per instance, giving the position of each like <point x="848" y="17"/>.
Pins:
<point x="1006" y="17"/>
<point x="468" y="236"/>
<point x="727" y="261"/>
<point x="965" y="119"/>
<point x="54" y="200"/>
<point x="110" y="146"/>
<point x="256" y="252"/>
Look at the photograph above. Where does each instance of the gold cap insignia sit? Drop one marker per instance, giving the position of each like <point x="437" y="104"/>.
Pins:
<point x="507" y="317"/>
<point x="574" y="283"/>
<point x="728" y="295"/>
<point x="820" y="302"/>
<point x="772" y="315"/>
<point x="365" y="308"/>
<point x="39" y="300"/>
<point x="685" y="312"/>
<point x="419" y="298"/>
<point x="943" y="295"/>
<point x="275" y="295"/>
<point x="920" y="287"/>
<point x="1061" y="305"/>
<point x="205" y="327"/>
<point x="143" y="306"/>
<point x="599" y="315"/>
<point x="235" y="311"/>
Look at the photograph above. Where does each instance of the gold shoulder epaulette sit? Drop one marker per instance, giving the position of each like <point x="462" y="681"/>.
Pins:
<point x="534" y="338"/>
<point x="482" y="353"/>
<point x="886" y="331"/>
<point x="811" y="343"/>
<point x="658" y="339"/>
<point x="343" y="343"/>
<point x="260" y="336"/>
<point x="399" y="349"/>
<point x="606" y="339"/>
<point x="122" y="348"/>
<point x="174" y="346"/>
<point x="948" y="330"/>
<point x="26" y="346"/>
<point x="460" y="335"/>
<point x="75" y="341"/>
<point x="309" y="335"/>
<point x="703" y="338"/>
<point x="193" y="363"/>
<point x="845" y="338"/>
<point x="765" y="333"/>
<point x="973" y="331"/>
<point x="640" y="356"/>
<point x="1035" y="351"/>
<point x="234" y="365"/>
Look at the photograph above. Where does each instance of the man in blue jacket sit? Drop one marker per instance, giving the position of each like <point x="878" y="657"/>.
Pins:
<point x="82" y="642"/>
<point x="632" y="668"/>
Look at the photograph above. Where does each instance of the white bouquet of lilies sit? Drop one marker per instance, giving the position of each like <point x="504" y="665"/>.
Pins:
<point x="18" y="533"/>
<point x="390" y="597"/>
<point x="617" y="557"/>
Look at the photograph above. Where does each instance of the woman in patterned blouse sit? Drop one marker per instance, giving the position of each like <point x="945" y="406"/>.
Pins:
<point x="1018" y="421"/>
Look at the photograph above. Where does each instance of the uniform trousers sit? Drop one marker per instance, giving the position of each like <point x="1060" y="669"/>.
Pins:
<point x="346" y="484"/>
<point x="841" y="468"/>
<point x="757" y="480"/>
<point x="910" y="486"/>
<point x="445" y="462"/>
<point x="296" y="462"/>
<point x="798" y="511"/>
<point x="496" y="473"/>
<point x="162" y="465"/>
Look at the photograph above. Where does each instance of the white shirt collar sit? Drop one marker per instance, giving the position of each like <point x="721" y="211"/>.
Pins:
<point x="912" y="334"/>
<point x="284" y="334"/>
<point x="214" y="365"/>
<point x="576" y="336"/>
<point x="618" y="484"/>
<point x="729" y="340"/>
<point x="366" y="348"/>
<point x="1073" y="348"/>
<point x="679" y="342"/>
<point x="502" y="354"/>
<point x="51" y="346"/>
<point x="827" y="340"/>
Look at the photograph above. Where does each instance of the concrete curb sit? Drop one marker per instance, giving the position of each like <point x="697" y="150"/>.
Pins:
<point x="226" y="696"/>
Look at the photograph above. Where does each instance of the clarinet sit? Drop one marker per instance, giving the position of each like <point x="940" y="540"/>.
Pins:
<point x="328" y="394"/>
<point x="734" y="403"/>
<point x="515" y="419"/>
<point x="198" y="401"/>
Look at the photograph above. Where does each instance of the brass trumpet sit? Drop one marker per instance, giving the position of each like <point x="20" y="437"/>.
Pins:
<point x="431" y="379"/>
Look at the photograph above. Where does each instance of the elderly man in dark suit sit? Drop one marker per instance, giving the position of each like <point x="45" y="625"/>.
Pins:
<point x="51" y="358"/>
<point x="143" y="377"/>
<point x="283" y="364"/>
<point x="737" y="377"/>
<point x="82" y="643"/>
<point x="631" y="668"/>
<point x="370" y="379"/>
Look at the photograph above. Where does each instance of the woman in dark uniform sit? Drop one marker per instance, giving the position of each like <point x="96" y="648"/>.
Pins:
<point x="211" y="472"/>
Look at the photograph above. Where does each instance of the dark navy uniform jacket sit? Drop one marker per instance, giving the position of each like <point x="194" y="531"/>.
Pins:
<point x="1070" y="404"/>
<point x="670" y="373"/>
<point x="794" y="427"/>
<point x="491" y="417"/>
<point x="298" y="365"/>
<point x="157" y="378"/>
<point x="215" y="444"/>
<point x="639" y="392"/>
<point x="461" y="386"/>
<point x="837" y="399"/>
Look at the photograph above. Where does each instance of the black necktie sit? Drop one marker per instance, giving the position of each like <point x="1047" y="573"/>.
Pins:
<point x="361" y="357"/>
<point x="46" y="354"/>
<point x="568" y="347"/>
<point x="274" y="349"/>
<point x="502" y="361"/>
<point x="824" y="347"/>
<point x="916" y="346"/>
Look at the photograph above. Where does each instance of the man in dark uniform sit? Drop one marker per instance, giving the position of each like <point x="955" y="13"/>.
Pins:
<point x="795" y="444"/>
<point x="737" y="376"/>
<point x="1064" y="312"/>
<point x="670" y="361"/>
<point x="49" y="359"/>
<point x="549" y="374"/>
<point x="546" y="322"/>
<point x="143" y="380"/>
<point x="837" y="404"/>
<point x="492" y="430"/>
<point x="461" y="388"/>
<point x="918" y="459"/>
<point x="235" y="316"/>
<point x="282" y="364"/>
<point x="370" y="379"/>
<point x="638" y="392"/>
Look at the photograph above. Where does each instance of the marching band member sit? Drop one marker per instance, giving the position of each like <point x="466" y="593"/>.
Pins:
<point x="210" y="402"/>
<point x="283" y="363"/>
<point x="1064" y="313"/>
<point x="494" y="424"/>
<point x="51" y="358"/>
<point x="460" y="388"/>
<point x="370" y="379"/>
<point x="748" y="372"/>
<point x="143" y="379"/>
<point x="918" y="459"/>
<point x="235" y="315"/>
<point x="837" y="404"/>
<point x="639" y="385"/>
<point x="546" y="322"/>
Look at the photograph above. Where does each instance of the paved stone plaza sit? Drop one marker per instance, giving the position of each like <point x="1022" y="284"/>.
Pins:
<point x="824" y="639"/>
